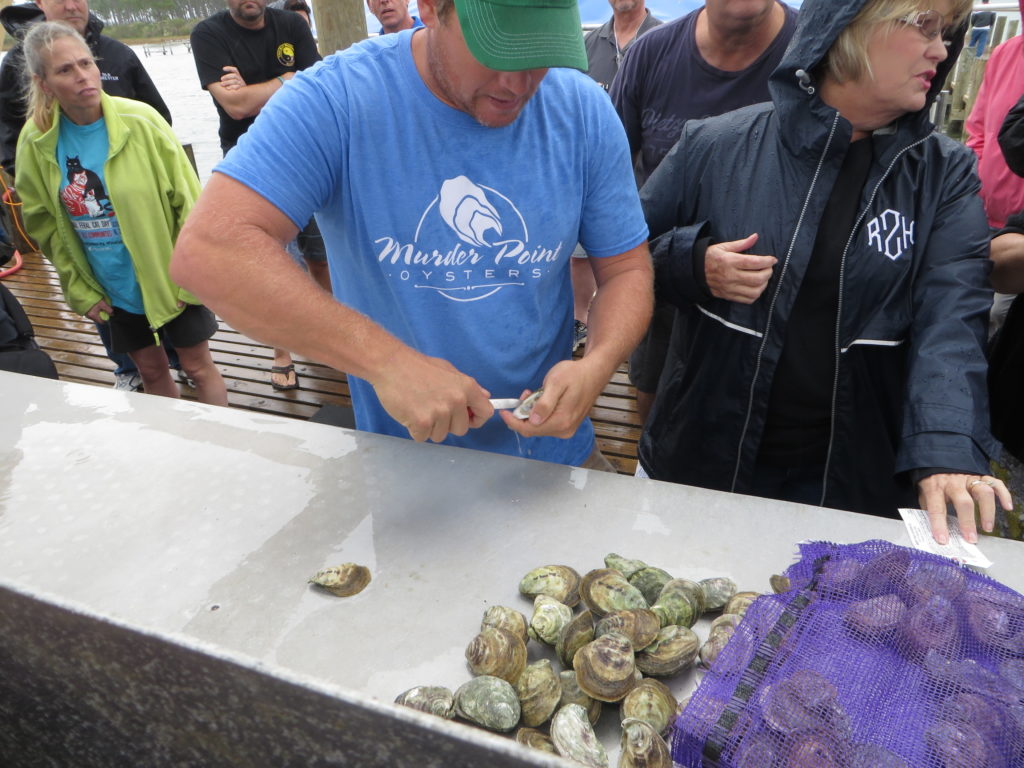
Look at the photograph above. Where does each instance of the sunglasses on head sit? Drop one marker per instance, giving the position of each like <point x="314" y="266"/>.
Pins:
<point x="930" y="24"/>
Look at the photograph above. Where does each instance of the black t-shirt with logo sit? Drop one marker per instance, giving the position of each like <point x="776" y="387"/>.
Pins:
<point x="283" y="44"/>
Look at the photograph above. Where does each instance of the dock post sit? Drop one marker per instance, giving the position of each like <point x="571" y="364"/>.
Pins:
<point x="339" y="24"/>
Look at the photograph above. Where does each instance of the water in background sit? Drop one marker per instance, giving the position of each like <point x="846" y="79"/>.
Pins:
<point x="194" y="116"/>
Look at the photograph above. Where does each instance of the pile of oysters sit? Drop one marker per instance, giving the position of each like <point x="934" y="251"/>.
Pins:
<point x="633" y="625"/>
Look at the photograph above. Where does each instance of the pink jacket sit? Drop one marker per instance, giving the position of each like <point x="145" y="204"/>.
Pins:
<point x="1001" y="190"/>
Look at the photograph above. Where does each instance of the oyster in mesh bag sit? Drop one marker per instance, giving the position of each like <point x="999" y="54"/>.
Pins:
<point x="574" y="737"/>
<point x="489" y="702"/>
<point x="1012" y="671"/>
<point x="931" y="625"/>
<point x="539" y="692"/>
<point x="605" y="668"/>
<point x="642" y="746"/>
<point x="805" y="702"/>
<point x="880" y="575"/>
<point x="606" y="590"/>
<point x="497" y="652"/>
<point x="816" y="749"/>
<point x="625" y="566"/>
<point x="549" y="619"/>
<point x="650" y="581"/>
<point x="508" y="619"/>
<point x="432" y="699"/>
<point x="342" y="580"/>
<point x="969" y="675"/>
<point x="924" y="578"/>
<point x="672" y="651"/>
<point x="558" y="581"/>
<point x="758" y="750"/>
<point x="995" y="618"/>
<point x="875" y="618"/>
<point x="875" y="756"/>
<point x="961" y="745"/>
<point x="650" y="701"/>
<point x="640" y="625"/>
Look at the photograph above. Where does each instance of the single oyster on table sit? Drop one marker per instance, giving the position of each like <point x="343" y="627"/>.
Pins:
<point x="558" y="581"/>
<point x="650" y="581"/>
<point x="509" y="619"/>
<point x="605" y="590"/>
<point x="672" y="651"/>
<point x="780" y="583"/>
<point x="539" y="692"/>
<point x="573" y="694"/>
<point x="681" y="602"/>
<point x="719" y="635"/>
<point x="574" y="737"/>
<point x="574" y="636"/>
<point x="497" y="652"/>
<point x="432" y="699"/>
<point x="640" y="625"/>
<point x="739" y="602"/>
<point x="717" y="591"/>
<point x="642" y="746"/>
<point x="489" y="702"/>
<point x="605" y="668"/>
<point x="650" y="701"/>
<point x="343" y="580"/>
<point x="549" y="619"/>
<point x="531" y="737"/>
<point x="623" y="565"/>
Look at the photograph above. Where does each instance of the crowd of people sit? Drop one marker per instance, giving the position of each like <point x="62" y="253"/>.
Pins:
<point x="407" y="210"/>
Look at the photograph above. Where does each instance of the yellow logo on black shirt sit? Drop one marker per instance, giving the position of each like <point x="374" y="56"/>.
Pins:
<point x="286" y="55"/>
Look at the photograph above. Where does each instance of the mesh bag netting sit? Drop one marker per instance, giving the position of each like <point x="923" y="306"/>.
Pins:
<point x="878" y="656"/>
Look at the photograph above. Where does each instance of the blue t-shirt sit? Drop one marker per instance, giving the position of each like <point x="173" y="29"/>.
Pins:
<point x="81" y="153"/>
<point x="453" y="236"/>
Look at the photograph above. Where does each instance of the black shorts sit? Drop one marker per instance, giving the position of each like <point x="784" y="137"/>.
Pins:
<point x="130" y="332"/>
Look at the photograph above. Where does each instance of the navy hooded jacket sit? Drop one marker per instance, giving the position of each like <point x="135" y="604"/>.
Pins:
<point x="908" y="390"/>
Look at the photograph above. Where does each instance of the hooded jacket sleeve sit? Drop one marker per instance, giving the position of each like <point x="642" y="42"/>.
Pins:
<point x="1011" y="138"/>
<point x="946" y="413"/>
<point x="143" y="87"/>
<point x="12" y="107"/>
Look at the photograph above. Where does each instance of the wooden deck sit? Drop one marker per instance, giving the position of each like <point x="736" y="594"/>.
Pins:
<point x="76" y="350"/>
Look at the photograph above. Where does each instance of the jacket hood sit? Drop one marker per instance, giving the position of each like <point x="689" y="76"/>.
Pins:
<point x="819" y="24"/>
<point x="18" y="18"/>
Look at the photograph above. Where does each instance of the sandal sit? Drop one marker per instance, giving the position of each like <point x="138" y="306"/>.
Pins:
<point x="288" y="371"/>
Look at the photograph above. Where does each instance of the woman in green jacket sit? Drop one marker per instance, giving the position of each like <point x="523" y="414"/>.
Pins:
<point x="105" y="188"/>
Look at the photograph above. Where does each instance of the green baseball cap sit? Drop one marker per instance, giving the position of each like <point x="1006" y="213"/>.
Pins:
<point x="513" y="35"/>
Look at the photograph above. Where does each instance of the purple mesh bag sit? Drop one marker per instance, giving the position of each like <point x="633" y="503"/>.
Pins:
<point x="877" y="657"/>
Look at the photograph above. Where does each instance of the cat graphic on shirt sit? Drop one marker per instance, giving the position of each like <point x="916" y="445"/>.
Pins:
<point x="84" y="195"/>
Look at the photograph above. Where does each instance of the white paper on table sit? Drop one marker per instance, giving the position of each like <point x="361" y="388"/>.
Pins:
<point x="959" y="549"/>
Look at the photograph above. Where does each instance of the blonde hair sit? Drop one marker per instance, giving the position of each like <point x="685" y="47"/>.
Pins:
<point x="38" y="46"/>
<point x="847" y="59"/>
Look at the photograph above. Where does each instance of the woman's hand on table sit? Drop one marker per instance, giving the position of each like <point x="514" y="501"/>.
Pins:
<point x="966" y="493"/>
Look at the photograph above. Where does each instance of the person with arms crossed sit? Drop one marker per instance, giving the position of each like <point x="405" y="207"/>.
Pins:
<point x="244" y="55"/>
<point x="451" y="280"/>
<point x="715" y="59"/>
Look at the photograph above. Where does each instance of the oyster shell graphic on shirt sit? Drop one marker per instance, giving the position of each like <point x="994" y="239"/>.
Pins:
<point x="464" y="207"/>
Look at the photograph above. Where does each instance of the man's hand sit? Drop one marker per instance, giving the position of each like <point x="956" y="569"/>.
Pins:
<point x="429" y="397"/>
<point x="100" y="306"/>
<point x="935" y="492"/>
<point x="734" y="275"/>
<point x="232" y="79"/>
<point x="570" y="389"/>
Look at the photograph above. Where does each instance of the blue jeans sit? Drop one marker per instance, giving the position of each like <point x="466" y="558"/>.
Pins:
<point x="978" y="40"/>
<point x="123" y="361"/>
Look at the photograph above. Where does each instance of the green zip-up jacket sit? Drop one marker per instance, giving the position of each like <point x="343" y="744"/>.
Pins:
<point x="152" y="188"/>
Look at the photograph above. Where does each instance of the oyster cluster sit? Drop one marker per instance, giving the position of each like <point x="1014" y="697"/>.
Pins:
<point x="615" y="630"/>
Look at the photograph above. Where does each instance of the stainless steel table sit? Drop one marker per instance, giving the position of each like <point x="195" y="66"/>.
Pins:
<point x="154" y="557"/>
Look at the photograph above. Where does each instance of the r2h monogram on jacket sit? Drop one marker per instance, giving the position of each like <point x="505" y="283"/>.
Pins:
<point x="891" y="233"/>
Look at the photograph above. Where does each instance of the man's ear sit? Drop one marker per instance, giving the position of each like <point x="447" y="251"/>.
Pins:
<point x="428" y="12"/>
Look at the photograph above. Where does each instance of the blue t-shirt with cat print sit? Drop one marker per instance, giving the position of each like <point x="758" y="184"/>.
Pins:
<point x="453" y="236"/>
<point x="81" y="153"/>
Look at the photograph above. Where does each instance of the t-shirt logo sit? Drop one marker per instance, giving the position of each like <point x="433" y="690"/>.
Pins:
<point x="891" y="233"/>
<point x="286" y="55"/>
<point x="490" y="250"/>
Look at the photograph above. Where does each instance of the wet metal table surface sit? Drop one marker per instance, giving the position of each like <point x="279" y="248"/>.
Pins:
<point x="203" y="524"/>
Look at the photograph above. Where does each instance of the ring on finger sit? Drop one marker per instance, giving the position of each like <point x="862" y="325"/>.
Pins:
<point x="980" y="481"/>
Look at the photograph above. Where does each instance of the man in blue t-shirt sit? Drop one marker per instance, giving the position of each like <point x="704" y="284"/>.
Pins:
<point x="393" y="15"/>
<point x="451" y="174"/>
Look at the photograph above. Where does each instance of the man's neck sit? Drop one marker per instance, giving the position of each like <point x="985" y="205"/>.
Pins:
<point x="735" y="46"/>
<point x="626" y="24"/>
<point x="406" y="24"/>
<point x="257" y="24"/>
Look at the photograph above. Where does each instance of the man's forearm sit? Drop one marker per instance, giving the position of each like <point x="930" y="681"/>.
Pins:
<point x="246" y="101"/>
<point x="621" y="310"/>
